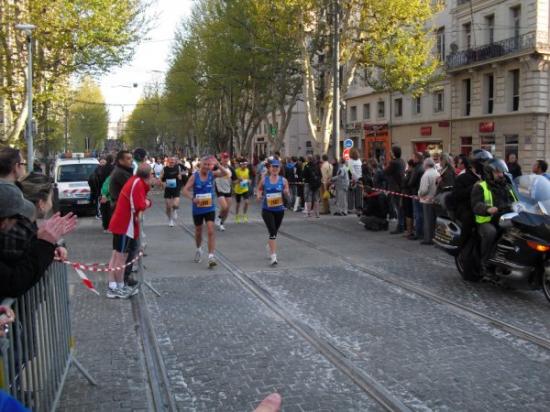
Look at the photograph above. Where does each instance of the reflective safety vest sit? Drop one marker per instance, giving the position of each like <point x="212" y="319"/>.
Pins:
<point x="488" y="199"/>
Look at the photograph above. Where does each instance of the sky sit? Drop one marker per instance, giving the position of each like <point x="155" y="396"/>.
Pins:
<point x="149" y="63"/>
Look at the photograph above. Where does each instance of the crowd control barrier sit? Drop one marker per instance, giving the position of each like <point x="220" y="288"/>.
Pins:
<point x="38" y="349"/>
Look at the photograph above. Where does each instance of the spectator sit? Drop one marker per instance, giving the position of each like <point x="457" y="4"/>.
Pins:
<point x="103" y="174"/>
<point x="125" y="227"/>
<point x="300" y="199"/>
<point x="121" y="173"/>
<point x="312" y="181"/>
<point x="12" y="164"/>
<point x="426" y="192"/>
<point x="407" y="201"/>
<point x="395" y="173"/>
<point x="513" y="166"/>
<point x="414" y="186"/>
<point x="446" y="179"/>
<point x="540" y="167"/>
<point x="17" y="276"/>
<point x="292" y="177"/>
<point x="355" y="195"/>
<point x="461" y="197"/>
<point x="326" y="180"/>
<point x="341" y="185"/>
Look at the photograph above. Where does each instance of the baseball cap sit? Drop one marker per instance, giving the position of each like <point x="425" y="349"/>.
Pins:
<point x="13" y="203"/>
<point x="275" y="162"/>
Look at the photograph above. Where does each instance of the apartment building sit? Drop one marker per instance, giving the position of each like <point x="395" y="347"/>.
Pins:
<point x="495" y="93"/>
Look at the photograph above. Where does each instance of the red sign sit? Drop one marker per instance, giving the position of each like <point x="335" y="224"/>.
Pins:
<point x="345" y="154"/>
<point x="426" y="131"/>
<point x="487" y="127"/>
<point x="444" y="123"/>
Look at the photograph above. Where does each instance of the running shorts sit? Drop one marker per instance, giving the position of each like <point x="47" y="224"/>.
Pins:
<point x="204" y="217"/>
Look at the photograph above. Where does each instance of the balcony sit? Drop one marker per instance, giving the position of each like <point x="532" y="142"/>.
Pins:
<point x="527" y="42"/>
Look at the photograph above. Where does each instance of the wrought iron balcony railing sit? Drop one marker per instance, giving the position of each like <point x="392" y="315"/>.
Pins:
<point x="495" y="50"/>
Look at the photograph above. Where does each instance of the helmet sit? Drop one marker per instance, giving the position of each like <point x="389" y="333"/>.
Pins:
<point x="481" y="155"/>
<point x="494" y="165"/>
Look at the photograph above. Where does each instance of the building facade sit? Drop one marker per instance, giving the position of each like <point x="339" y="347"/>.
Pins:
<point x="495" y="94"/>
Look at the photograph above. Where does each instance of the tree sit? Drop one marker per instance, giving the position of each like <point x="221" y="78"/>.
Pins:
<point x="71" y="37"/>
<point x="89" y="118"/>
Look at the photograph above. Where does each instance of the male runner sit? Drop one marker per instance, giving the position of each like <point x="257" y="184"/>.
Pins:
<point x="204" y="210"/>
<point x="223" y="192"/>
<point x="171" y="179"/>
<point x="242" y="190"/>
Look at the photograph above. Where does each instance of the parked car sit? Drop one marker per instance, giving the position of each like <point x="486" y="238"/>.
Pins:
<point x="72" y="191"/>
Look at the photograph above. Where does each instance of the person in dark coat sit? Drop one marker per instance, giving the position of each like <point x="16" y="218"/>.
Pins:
<point x="414" y="186"/>
<point x="395" y="173"/>
<point x="513" y="166"/>
<point x="461" y="196"/>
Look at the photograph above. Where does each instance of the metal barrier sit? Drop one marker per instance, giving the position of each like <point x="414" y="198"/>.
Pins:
<point x="37" y="352"/>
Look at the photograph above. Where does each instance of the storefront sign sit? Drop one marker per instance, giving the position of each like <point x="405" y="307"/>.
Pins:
<point x="426" y="131"/>
<point x="487" y="127"/>
<point x="376" y="129"/>
<point x="444" y="123"/>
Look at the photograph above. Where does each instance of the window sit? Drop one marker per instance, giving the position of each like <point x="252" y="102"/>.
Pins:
<point x="441" y="43"/>
<point x="515" y="16"/>
<point x="439" y="101"/>
<point x="467" y="96"/>
<point x="78" y="172"/>
<point x="511" y="145"/>
<point x="488" y="143"/>
<point x="381" y="109"/>
<point x="366" y="111"/>
<point x="467" y="35"/>
<point x="466" y="145"/>
<point x="308" y="143"/>
<point x="398" y="107"/>
<point x="490" y="29"/>
<point x="489" y="91"/>
<point x="417" y="105"/>
<point x="513" y="88"/>
<point x="353" y="114"/>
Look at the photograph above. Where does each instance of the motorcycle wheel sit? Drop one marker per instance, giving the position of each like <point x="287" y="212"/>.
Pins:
<point x="467" y="266"/>
<point x="546" y="285"/>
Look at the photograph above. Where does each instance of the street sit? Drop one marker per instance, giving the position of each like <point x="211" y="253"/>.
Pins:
<point x="348" y="320"/>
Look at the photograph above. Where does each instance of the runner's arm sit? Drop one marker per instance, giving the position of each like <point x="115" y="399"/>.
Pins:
<point x="259" y="189"/>
<point x="186" y="190"/>
<point x="286" y="188"/>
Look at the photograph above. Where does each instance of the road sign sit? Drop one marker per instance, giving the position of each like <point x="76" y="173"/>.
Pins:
<point x="348" y="144"/>
<point x="345" y="154"/>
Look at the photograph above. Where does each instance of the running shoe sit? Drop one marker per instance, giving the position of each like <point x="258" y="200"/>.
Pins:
<point x="218" y="221"/>
<point x="117" y="293"/>
<point x="273" y="260"/>
<point x="238" y="219"/>
<point x="222" y="228"/>
<point x="171" y="223"/>
<point x="245" y="218"/>
<point x="198" y="256"/>
<point x="131" y="290"/>
<point x="212" y="262"/>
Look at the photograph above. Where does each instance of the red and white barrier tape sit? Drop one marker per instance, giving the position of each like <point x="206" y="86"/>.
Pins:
<point x="95" y="267"/>
<point x="389" y="192"/>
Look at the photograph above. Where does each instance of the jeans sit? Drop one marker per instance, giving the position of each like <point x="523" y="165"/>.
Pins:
<point x="397" y="212"/>
<point x="418" y="218"/>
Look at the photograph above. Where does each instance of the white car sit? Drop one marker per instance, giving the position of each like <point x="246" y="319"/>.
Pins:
<point x="71" y="183"/>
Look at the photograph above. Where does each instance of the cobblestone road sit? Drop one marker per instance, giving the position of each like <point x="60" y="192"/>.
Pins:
<point x="225" y="350"/>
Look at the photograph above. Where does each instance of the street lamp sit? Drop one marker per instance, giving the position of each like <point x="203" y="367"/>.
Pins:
<point x="27" y="29"/>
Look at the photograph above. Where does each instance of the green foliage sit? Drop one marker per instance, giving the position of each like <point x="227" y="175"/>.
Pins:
<point x="89" y="118"/>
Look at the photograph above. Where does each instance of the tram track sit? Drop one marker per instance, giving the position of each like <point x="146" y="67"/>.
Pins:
<point x="363" y="380"/>
<point x="428" y="294"/>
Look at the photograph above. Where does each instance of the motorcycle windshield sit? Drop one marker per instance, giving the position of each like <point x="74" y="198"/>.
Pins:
<point x="534" y="193"/>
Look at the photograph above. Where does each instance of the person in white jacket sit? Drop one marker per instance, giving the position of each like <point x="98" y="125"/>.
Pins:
<point x="426" y="193"/>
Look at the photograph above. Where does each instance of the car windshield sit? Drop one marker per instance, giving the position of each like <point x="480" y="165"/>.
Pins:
<point x="78" y="172"/>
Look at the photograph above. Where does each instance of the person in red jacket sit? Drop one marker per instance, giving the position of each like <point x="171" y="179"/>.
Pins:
<point x="124" y="226"/>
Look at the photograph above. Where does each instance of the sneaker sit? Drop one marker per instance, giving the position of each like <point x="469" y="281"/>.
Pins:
<point x="198" y="256"/>
<point x="273" y="260"/>
<point x="218" y="221"/>
<point x="222" y="228"/>
<point x="238" y="219"/>
<point x="171" y="223"/>
<point x="212" y="262"/>
<point x="131" y="290"/>
<point x="245" y="218"/>
<point x="117" y="293"/>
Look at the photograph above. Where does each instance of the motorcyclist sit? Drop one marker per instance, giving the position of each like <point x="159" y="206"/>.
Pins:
<point x="490" y="198"/>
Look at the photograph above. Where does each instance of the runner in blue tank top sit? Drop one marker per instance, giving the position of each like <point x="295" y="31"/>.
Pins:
<point x="270" y="191"/>
<point x="200" y="190"/>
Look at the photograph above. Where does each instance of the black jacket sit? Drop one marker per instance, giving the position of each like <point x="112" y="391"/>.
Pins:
<point x="119" y="177"/>
<point x="462" y="191"/>
<point x="416" y="176"/>
<point x="18" y="277"/>
<point x="312" y="175"/>
<point x="514" y="169"/>
<point x="395" y="174"/>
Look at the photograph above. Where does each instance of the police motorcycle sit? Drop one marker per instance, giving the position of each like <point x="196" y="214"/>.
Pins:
<point x="521" y="257"/>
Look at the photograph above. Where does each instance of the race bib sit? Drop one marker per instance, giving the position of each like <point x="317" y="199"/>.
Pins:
<point x="171" y="183"/>
<point x="205" y="200"/>
<point x="244" y="184"/>
<point x="274" y="200"/>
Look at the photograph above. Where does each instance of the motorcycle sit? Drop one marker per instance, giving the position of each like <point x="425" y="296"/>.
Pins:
<point x="521" y="256"/>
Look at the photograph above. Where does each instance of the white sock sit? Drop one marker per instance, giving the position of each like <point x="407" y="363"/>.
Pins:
<point x="112" y="285"/>
<point x="120" y="285"/>
<point x="274" y="256"/>
<point x="210" y="256"/>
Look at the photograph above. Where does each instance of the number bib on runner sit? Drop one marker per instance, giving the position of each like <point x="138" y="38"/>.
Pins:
<point x="171" y="183"/>
<point x="205" y="200"/>
<point x="274" y="200"/>
<point x="244" y="184"/>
